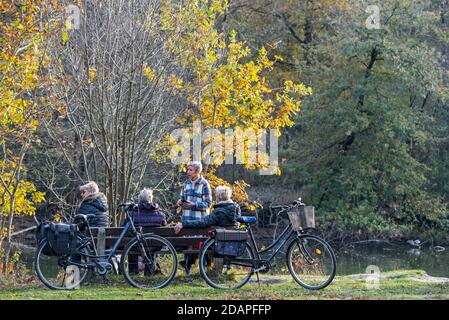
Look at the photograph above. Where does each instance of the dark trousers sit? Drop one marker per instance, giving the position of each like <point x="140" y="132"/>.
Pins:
<point x="133" y="262"/>
<point x="190" y="259"/>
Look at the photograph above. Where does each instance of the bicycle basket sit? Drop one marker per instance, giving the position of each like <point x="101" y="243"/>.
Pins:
<point x="303" y="217"/>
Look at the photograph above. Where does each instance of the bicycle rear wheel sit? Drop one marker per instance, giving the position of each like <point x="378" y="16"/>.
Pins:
<point x="225" y="273"/>
<point x="149" y="263"/>
<point x="311" y="261"/>
<point x="59" y="272"/>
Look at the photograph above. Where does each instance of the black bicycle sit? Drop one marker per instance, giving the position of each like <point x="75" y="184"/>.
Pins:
<point x="148" y="261"/>
<point x="310" y="259"/>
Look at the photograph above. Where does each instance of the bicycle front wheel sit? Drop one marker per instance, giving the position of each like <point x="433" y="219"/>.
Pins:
<point x="59" y="272"/>
<point x="222" y="272"/>
<point x="311" y="261"/>
<point x="149" y="263"/>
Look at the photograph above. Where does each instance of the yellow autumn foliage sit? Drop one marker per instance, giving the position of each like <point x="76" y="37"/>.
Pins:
<point x="22" y="104"/>
<point x="25" y="194"/>
<point x="230" y="86"/>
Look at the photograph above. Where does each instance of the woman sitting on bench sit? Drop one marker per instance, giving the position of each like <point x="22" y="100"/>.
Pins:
<point x="94" y="202"/>
<point x="224" y="214"/>
<point x="147" y="213"/>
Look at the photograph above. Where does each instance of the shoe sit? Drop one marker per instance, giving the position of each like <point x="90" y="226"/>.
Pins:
<point x="187" y="270"/>
<point x="187" y="267"/>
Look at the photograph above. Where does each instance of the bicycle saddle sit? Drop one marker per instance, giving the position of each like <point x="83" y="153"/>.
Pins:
<point x="246" y="219"/>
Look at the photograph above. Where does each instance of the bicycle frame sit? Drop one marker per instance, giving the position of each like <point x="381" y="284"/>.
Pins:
<point x="128" y="226"/>
<point x="297" y="235"/>
<point x="276" y="245"/>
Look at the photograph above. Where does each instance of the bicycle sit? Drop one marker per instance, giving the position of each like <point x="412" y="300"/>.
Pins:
<point x="310" y="259"/>
<point x="148" y="261"/>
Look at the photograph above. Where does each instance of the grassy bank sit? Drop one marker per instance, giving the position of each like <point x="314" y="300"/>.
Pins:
<point x="412" y="284"/>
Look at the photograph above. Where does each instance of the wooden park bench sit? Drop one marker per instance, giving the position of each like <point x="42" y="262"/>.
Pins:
<point x="186" y="241"/>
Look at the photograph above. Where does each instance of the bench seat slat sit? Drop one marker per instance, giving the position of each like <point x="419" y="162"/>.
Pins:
<point x="187" y="240"/>
<point x="161" y="231"/>
<point x="176" y="242"/>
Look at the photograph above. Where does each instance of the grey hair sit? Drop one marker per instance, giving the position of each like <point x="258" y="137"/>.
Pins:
<point x="197" y="165"/>
<point x="223" y="193"/>
<point x="91" y="187"/>
<point x="146" y="195"/>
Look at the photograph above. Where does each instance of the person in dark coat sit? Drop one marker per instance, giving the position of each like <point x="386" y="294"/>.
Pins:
<point x="94" y="202"/>
<point x="224" y="214"/>
<point x="147" y="213"/>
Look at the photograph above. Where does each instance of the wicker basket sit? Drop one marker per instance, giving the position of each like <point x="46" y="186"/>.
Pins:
<point x="303" y="217"/>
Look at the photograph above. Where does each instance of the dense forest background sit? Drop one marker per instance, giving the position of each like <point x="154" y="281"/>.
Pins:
<point x="369" y="148"/>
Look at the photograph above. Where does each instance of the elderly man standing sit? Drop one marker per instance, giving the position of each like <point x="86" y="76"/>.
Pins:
<point x="195" y="200"/>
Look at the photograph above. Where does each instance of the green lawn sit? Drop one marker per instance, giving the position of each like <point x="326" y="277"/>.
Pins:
<point x="397" y="285"/>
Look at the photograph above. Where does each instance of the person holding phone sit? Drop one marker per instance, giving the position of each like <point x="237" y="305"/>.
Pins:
<point x="195" y="201"/>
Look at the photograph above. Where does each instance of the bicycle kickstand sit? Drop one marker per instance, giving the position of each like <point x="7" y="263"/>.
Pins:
<point x="258" y="280"/>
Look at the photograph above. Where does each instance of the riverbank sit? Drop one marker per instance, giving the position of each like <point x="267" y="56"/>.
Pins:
<point x="398" y="285"/>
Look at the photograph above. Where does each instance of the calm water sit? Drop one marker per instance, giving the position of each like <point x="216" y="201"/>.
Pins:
<point x="388" y="257"/>
<point x="355" y="258"/>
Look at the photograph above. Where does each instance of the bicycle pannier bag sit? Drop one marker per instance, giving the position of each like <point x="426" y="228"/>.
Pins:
<point x="230" y="243"/>
<point x="41" y="234"/>
<point x="62" y="238"/>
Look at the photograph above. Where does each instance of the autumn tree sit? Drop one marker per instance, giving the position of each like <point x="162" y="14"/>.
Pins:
<point x="22" y="106"/>
<point x="227" y="83"/>
<point x="115" y="83"/>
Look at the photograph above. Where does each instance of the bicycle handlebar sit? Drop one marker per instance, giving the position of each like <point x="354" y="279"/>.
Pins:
<point x="286" y="206"/>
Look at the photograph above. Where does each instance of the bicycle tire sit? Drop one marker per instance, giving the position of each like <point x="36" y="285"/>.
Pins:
<point x="203" y="262"/>
<point x="145" y="239"/>
<point x="39" y="271"/>
<point x="299" y="242"/>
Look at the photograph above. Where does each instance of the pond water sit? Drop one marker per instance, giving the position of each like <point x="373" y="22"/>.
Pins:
<point x="387" y="256"/>
<point x="355" y="258"/>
